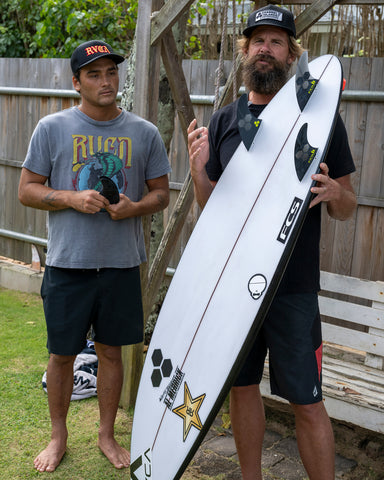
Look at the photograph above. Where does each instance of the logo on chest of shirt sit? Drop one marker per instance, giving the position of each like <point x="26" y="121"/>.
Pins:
<point x="96" y="156"/>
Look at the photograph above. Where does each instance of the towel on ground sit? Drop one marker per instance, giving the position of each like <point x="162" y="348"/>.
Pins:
<point x="84" y="374"/>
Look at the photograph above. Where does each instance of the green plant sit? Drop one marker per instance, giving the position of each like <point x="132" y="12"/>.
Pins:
<point x="68" y="23"/>
<point x="53" y="28"/>
<point x="17" y="27"/>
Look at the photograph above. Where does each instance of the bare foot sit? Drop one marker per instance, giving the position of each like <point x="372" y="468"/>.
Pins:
<point x="49" y="459"/>
<point x="117" y="455"/>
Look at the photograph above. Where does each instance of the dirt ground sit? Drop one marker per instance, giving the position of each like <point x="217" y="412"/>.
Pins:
<point x="365" y="447"/>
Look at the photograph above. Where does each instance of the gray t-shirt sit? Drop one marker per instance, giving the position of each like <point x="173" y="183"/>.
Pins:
<point x="73" y="151"/>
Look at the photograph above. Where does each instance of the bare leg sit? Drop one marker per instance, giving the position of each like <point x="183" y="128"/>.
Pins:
<point x="109" y="384"/>
<point x="59" y="386"/>
<point x="315" y="440"/>
<point x="248" y="426"/>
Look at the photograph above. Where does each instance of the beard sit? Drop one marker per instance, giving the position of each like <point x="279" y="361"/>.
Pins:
<point x="266" y="82"/>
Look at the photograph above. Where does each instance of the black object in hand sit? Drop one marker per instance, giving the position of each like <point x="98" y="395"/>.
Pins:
<point x="109" y="190"/>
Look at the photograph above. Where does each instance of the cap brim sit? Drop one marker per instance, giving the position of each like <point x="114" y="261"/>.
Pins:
<point x="248" y="31"/>
<point x="113" y="56"/>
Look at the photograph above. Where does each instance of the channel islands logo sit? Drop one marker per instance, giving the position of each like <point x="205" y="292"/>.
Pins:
<point x="162" y="367"/>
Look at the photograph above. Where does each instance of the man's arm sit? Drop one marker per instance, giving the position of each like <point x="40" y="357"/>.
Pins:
<point x="155" y="200"/>
<point x="337" y="193"/>
<point x="198" y="149"/>
<point x="34" y="193"/>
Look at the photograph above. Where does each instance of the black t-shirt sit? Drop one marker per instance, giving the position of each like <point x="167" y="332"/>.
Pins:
<point x="303" y="270"/>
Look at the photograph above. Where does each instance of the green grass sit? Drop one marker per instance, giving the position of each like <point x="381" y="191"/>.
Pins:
<point x="24" y="416"/>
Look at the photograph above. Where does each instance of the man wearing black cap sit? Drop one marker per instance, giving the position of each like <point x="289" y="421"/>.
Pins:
<point x="96" y="159"/>
<point x="291" y="331"/>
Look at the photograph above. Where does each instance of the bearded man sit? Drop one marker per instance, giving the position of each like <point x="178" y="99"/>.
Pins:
<point x="291" y="331"/>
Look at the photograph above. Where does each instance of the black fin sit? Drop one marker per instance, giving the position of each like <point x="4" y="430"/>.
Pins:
<point x="109" y="190"/>
<point x="305" y="84"/>
<point x="304" y="152"/>
<point x="247" y="123"/>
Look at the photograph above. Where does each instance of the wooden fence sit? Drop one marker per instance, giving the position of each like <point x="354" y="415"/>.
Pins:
<point x="354" y="247"/>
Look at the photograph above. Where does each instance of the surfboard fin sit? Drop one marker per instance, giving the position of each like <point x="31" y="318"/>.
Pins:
<point x="247" y="123"/>
<point x="109" y="190"/>
<point x="304" y="152"/>
<point x="305" y="84"/>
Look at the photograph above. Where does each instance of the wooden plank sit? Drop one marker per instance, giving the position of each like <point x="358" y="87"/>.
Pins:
<point x="374" y="360"/>
<point x="311" y="14"/>
<point x="179" y="153"/>
<point x="371" y="202"/>
<point x="177" y="82"/>
<point x="133" y="354"/>
<point x="210" y="86"/>
<point x="373" y="172"/>
<point x="132" y="357"/>
<point x="186" y="114"/>
<point x="180" y="165"/>
<point x="342" y="255"/>
<point x="357" y="287"/>
<point x="378" y="247"/>
<point x="363" y="392"/>
<point x="344" y="409"/>
<point x="143" y="30"/>
<point x="361" y="374"/>
<point x="164" y="19"/>
<point x="340" y="251"/>
<point x="349" y="338"/>
<point x="226" y="95"/>
<point x="351" y="312"/>
<point x="341" y="404"/>
<point x="363" y="253"/>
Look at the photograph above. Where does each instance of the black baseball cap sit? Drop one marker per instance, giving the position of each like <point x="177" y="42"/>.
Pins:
<point x="90" y="51"/>
<point x="271" y="15"/>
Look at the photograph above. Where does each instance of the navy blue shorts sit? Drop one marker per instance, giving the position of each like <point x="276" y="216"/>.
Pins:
<point x="108" y="300"/>
<point x="291" y="332"/>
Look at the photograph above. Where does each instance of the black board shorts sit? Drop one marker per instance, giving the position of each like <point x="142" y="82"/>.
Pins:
<point x="291" y="333"/>
<point x="107" y="299"/>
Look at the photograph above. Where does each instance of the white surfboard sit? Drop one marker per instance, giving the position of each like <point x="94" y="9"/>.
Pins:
<point x="230" y="270"/>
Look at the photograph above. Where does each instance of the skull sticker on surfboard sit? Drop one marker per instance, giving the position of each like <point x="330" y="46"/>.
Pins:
<point x="256" y="286"/>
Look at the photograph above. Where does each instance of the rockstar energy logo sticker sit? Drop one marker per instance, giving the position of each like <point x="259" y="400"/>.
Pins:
<point x="189" y="411"/>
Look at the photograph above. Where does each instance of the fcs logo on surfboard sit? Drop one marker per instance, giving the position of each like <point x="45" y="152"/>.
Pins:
<point x="256" y="286"/>
<point x="289" y="220"/>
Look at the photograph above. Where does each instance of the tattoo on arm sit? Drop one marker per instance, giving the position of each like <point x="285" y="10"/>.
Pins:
<point x="50" y="199"/>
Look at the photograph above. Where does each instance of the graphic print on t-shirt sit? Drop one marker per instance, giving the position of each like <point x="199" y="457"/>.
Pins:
<point x="94" y="157"/>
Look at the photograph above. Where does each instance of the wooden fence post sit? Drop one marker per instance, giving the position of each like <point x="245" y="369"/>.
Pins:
<point x="145" y="100"/>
